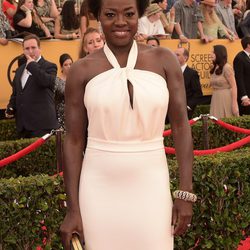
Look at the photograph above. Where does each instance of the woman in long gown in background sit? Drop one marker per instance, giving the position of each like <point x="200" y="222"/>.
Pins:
<point x="224" y="98"/>
<point x="116" y="173"/>
<point x="65" y="61"/>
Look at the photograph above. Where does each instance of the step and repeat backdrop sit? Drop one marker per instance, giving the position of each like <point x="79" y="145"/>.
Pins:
<point x="52" y="49"/>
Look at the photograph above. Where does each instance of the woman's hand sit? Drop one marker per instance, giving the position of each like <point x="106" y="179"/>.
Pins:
<point x="24" y="8"/>
<point x="140" y="37"/>
<point x="181" y="216"/>
<point x="72" y="224"/>
<point x="172" y="13"/>
<point x="75" y="35"/>
<point x="183" y="39"/>
<point x="235" y="109"/>
<point x="205" y="39"/>
<point x="47" y="32"/>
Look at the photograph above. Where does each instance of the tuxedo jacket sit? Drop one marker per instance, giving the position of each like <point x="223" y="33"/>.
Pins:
<point x="241" y="65"/>
<point x="34" y="105"/>
<point x="192" y="86"/>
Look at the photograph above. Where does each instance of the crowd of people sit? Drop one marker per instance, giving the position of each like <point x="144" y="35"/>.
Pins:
<point x="184" y="19"/>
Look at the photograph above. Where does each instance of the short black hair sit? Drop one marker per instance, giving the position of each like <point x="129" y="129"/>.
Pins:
<point x="245" y="41"/>
<point x="95" y="7"/>
<point x="153" y="38"/>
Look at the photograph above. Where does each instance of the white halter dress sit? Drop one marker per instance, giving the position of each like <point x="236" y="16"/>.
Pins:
<point x="124" y="193"/>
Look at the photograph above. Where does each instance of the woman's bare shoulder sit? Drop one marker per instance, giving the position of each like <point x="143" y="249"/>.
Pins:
<point x="86" y="68"/>
<point x="158" y="59"/>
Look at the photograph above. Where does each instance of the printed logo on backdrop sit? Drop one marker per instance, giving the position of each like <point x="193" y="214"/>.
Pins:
<point x="13" y="65"/>
<point x="202" y="63"/>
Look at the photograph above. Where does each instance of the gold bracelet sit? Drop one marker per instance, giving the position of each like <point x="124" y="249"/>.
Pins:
<point x="184" y="195"/>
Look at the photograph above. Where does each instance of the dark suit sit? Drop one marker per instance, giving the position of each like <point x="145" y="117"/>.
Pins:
<point x="33" y="105"/>
<point x="193" y="88"/>
<point x="242" y="75"/>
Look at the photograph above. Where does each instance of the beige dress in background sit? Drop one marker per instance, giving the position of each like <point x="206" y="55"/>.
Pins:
<point x="221" y="102"/>
<point x="124" y="192"/>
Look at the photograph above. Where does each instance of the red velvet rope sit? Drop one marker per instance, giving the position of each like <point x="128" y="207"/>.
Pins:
<point x="168" y="150"/>
<point x="24" y="151"/>
<point x="227" y="148"/>
<point x="231" y="127"/>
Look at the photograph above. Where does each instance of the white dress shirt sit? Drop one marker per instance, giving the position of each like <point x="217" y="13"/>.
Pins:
<point x="26" y="75"/>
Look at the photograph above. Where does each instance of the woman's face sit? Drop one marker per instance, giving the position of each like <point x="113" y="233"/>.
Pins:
<point x="213" y="56"/>
<point x="92" y="42"/>
<point x="119" y="21"/>
<point x="66" y="66"/>
<point x="29" y="4"/>
<point x="155" y="17"/>
<point x="163" y="4"/>
<point x="209" y="9"/>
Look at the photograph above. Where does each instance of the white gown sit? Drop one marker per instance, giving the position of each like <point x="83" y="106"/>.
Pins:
<point x="124" y="193"/>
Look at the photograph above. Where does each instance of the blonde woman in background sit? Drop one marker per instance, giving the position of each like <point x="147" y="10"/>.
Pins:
<point x="168" y="18"/>
<point x="91" y="41"/>
<point x="212" y="26"/>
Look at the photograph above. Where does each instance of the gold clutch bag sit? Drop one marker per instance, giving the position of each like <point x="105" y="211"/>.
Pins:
<point x="75" y="243"/>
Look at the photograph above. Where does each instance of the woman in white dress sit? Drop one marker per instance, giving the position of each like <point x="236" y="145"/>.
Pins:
<point x="116" y="173"/>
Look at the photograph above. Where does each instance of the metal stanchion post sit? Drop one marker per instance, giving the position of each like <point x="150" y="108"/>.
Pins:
<point x="59" y="151"/>
<point x="204" y="119"/>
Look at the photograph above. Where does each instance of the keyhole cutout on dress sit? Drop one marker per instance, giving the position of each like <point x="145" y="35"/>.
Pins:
<point x="130" y="93"/>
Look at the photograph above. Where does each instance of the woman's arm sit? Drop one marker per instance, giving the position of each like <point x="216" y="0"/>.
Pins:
<point x="47" y="19"/>
<point x="37" y="19"/>
<point x="83" y="25"/>
<point x="53" y="9"/>
<point x="204" y="38"/>
<point x="74" y="147"/>
<point x="170" y="27"/>
<point x="27" y="21"/>
<point x="229" y="74"/>
<point x="11" y="12"/>
<point x="177" y="113"/>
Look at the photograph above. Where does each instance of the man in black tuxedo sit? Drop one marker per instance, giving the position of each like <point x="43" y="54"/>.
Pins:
<point x="242" y="75"/>
<point x="32" y="99"/>
<point x="191" y="80"/>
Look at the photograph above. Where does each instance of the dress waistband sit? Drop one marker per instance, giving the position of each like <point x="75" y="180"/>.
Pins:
<point x="125" y="146"/>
